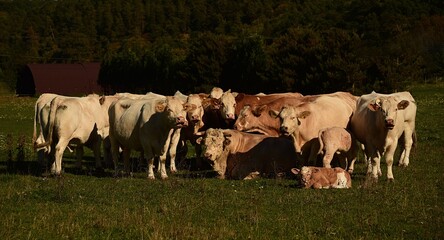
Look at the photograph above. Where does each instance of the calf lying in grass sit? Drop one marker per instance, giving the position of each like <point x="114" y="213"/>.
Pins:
<point x="317" y="177"/>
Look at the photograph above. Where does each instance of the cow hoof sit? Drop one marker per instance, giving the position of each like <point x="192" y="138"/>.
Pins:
<point x="164" y="177"/>
<point x="151" y="177"/>
<point x="391" y="180"/>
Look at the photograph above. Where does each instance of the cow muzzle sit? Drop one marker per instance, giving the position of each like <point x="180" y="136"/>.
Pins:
<point x="230" y="116"/>
<point x="181" y="122"/>
<point x="389" y="124"/>
<point x="284" y="130"/>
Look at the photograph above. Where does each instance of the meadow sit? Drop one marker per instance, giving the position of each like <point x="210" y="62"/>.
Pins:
<point x="191" y="205"/>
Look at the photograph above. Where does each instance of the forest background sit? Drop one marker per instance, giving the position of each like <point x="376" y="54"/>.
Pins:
<point x="313" y="46"/>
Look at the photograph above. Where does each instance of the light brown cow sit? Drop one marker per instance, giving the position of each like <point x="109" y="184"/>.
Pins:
<point x="256" y="118"/>
<point x="145" y="125"/>
<point x="378" y="123"/>
<point x="238" y="155"/>
<point x="243" y="99"/>
<point x="317" y="177"/>
<point x="335" y="141"/>
<point x="304" y="121"/>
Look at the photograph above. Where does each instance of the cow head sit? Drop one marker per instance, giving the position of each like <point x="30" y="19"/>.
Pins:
<point x="305" y="174"/>
<point x="215" y="142"/>
<point x="216" y="93"/>
<point x="388" y="108"/>
<point x="175" y="109"/>
<point x="194" y="108"/>
<point x="228" y="106"/>
<point x="290" y="119"/>
<point x="248" y="119"/>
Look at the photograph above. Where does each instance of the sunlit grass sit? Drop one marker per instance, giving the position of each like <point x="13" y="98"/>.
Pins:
<point x="190" y="205"/>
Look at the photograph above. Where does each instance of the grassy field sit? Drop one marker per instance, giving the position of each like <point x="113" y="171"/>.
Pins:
<point x="192" y="206"/>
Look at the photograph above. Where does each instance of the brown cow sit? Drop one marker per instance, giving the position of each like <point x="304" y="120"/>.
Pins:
<point x="239" y="155"/>
<point x="317" y="177"/>
<point x="243" y="99"/>
<point x="256" y="118"/>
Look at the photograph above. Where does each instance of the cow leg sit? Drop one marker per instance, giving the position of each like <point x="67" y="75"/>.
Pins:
<point x="59" y="149"/>
<point x="352" y="155"/>
<point x="389" y="160"/>
<point x="328" y="156"/>
<point x="175" y="138"/>
<point x="162" y="159"/>
<point x="107" y="155"/>
<point x="79" y="156"/>
<point x="150" y="167"/>
<point x="126" y="160"/>
<point x="198" y="150"/>
<point x="314" y="151"/>
<point x="374" y="159"/>
<point x="408" y="142"/>
<point x="115" y="156"/>
<point x="97" y="153"/>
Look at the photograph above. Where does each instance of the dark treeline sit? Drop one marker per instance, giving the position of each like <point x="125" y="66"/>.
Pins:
<point x="250" y="46"/>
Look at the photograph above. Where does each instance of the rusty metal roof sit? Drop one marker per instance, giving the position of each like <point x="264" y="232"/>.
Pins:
<point x="65" y="79"/>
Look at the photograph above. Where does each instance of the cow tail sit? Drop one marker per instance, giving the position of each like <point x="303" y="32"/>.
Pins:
<point x="321" y="142"/>
<point x="415" y="141"/>
<point x="34" y="134"/>
<point x="52" y="115"/>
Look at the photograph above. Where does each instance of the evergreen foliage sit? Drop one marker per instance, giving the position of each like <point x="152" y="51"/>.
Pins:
<point x="250" y="46"/>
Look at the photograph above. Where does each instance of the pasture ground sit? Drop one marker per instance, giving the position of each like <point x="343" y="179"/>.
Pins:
<point x="190" y="205"/>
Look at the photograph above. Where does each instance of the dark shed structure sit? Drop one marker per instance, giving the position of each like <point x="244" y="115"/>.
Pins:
<point x="64" y="79"/>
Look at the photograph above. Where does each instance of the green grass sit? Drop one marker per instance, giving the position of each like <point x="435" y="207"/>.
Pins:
<point x="79" y="206"/>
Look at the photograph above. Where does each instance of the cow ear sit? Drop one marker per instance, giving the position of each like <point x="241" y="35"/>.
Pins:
<point x="295" y="171"/>
<point x="315" y="170"/>
<point x="199" y="140"/>
<point x="187" y="107"/>
<point x="102" y="100"/>
<point x="258" y="110"/>
<point x="273" y="113"/>
<point x="403" y="104"/>
<point x="304" y="114"/>
<point x="160" y="106"/>
<point x="227" y="142"/>
<point x="375" y="105"/>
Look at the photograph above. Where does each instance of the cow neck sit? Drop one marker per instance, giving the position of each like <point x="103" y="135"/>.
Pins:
<point x="296" y="138"/>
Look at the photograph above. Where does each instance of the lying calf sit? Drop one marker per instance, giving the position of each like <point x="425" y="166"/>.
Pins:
<point x="318" y="177"/>
<point x="239" y="155"/>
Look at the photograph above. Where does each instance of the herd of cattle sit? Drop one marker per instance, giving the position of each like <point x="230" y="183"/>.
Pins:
<point x="242" y="136"/>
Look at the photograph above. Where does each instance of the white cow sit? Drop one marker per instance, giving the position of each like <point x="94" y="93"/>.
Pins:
<point x="379" y="121"/>
<point x="79" y="121"/>
<point x="145" y="125"/>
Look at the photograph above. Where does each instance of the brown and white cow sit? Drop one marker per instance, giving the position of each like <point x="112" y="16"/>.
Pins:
<point x="145" y="125"/>
<point x="79" y="121"/>
<point x="238" y="155"/>
<point x="336" y="141"/>
<point x="195" y="112"/>
<point x="255" y="118"/>
<point x="304" y="121"/>
<point x="378" y="123"/>
<point x="317" y="177"/>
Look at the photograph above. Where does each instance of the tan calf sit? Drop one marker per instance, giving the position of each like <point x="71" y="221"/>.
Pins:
<point x="317" y="177"/>
<point x="336" y="141"/>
